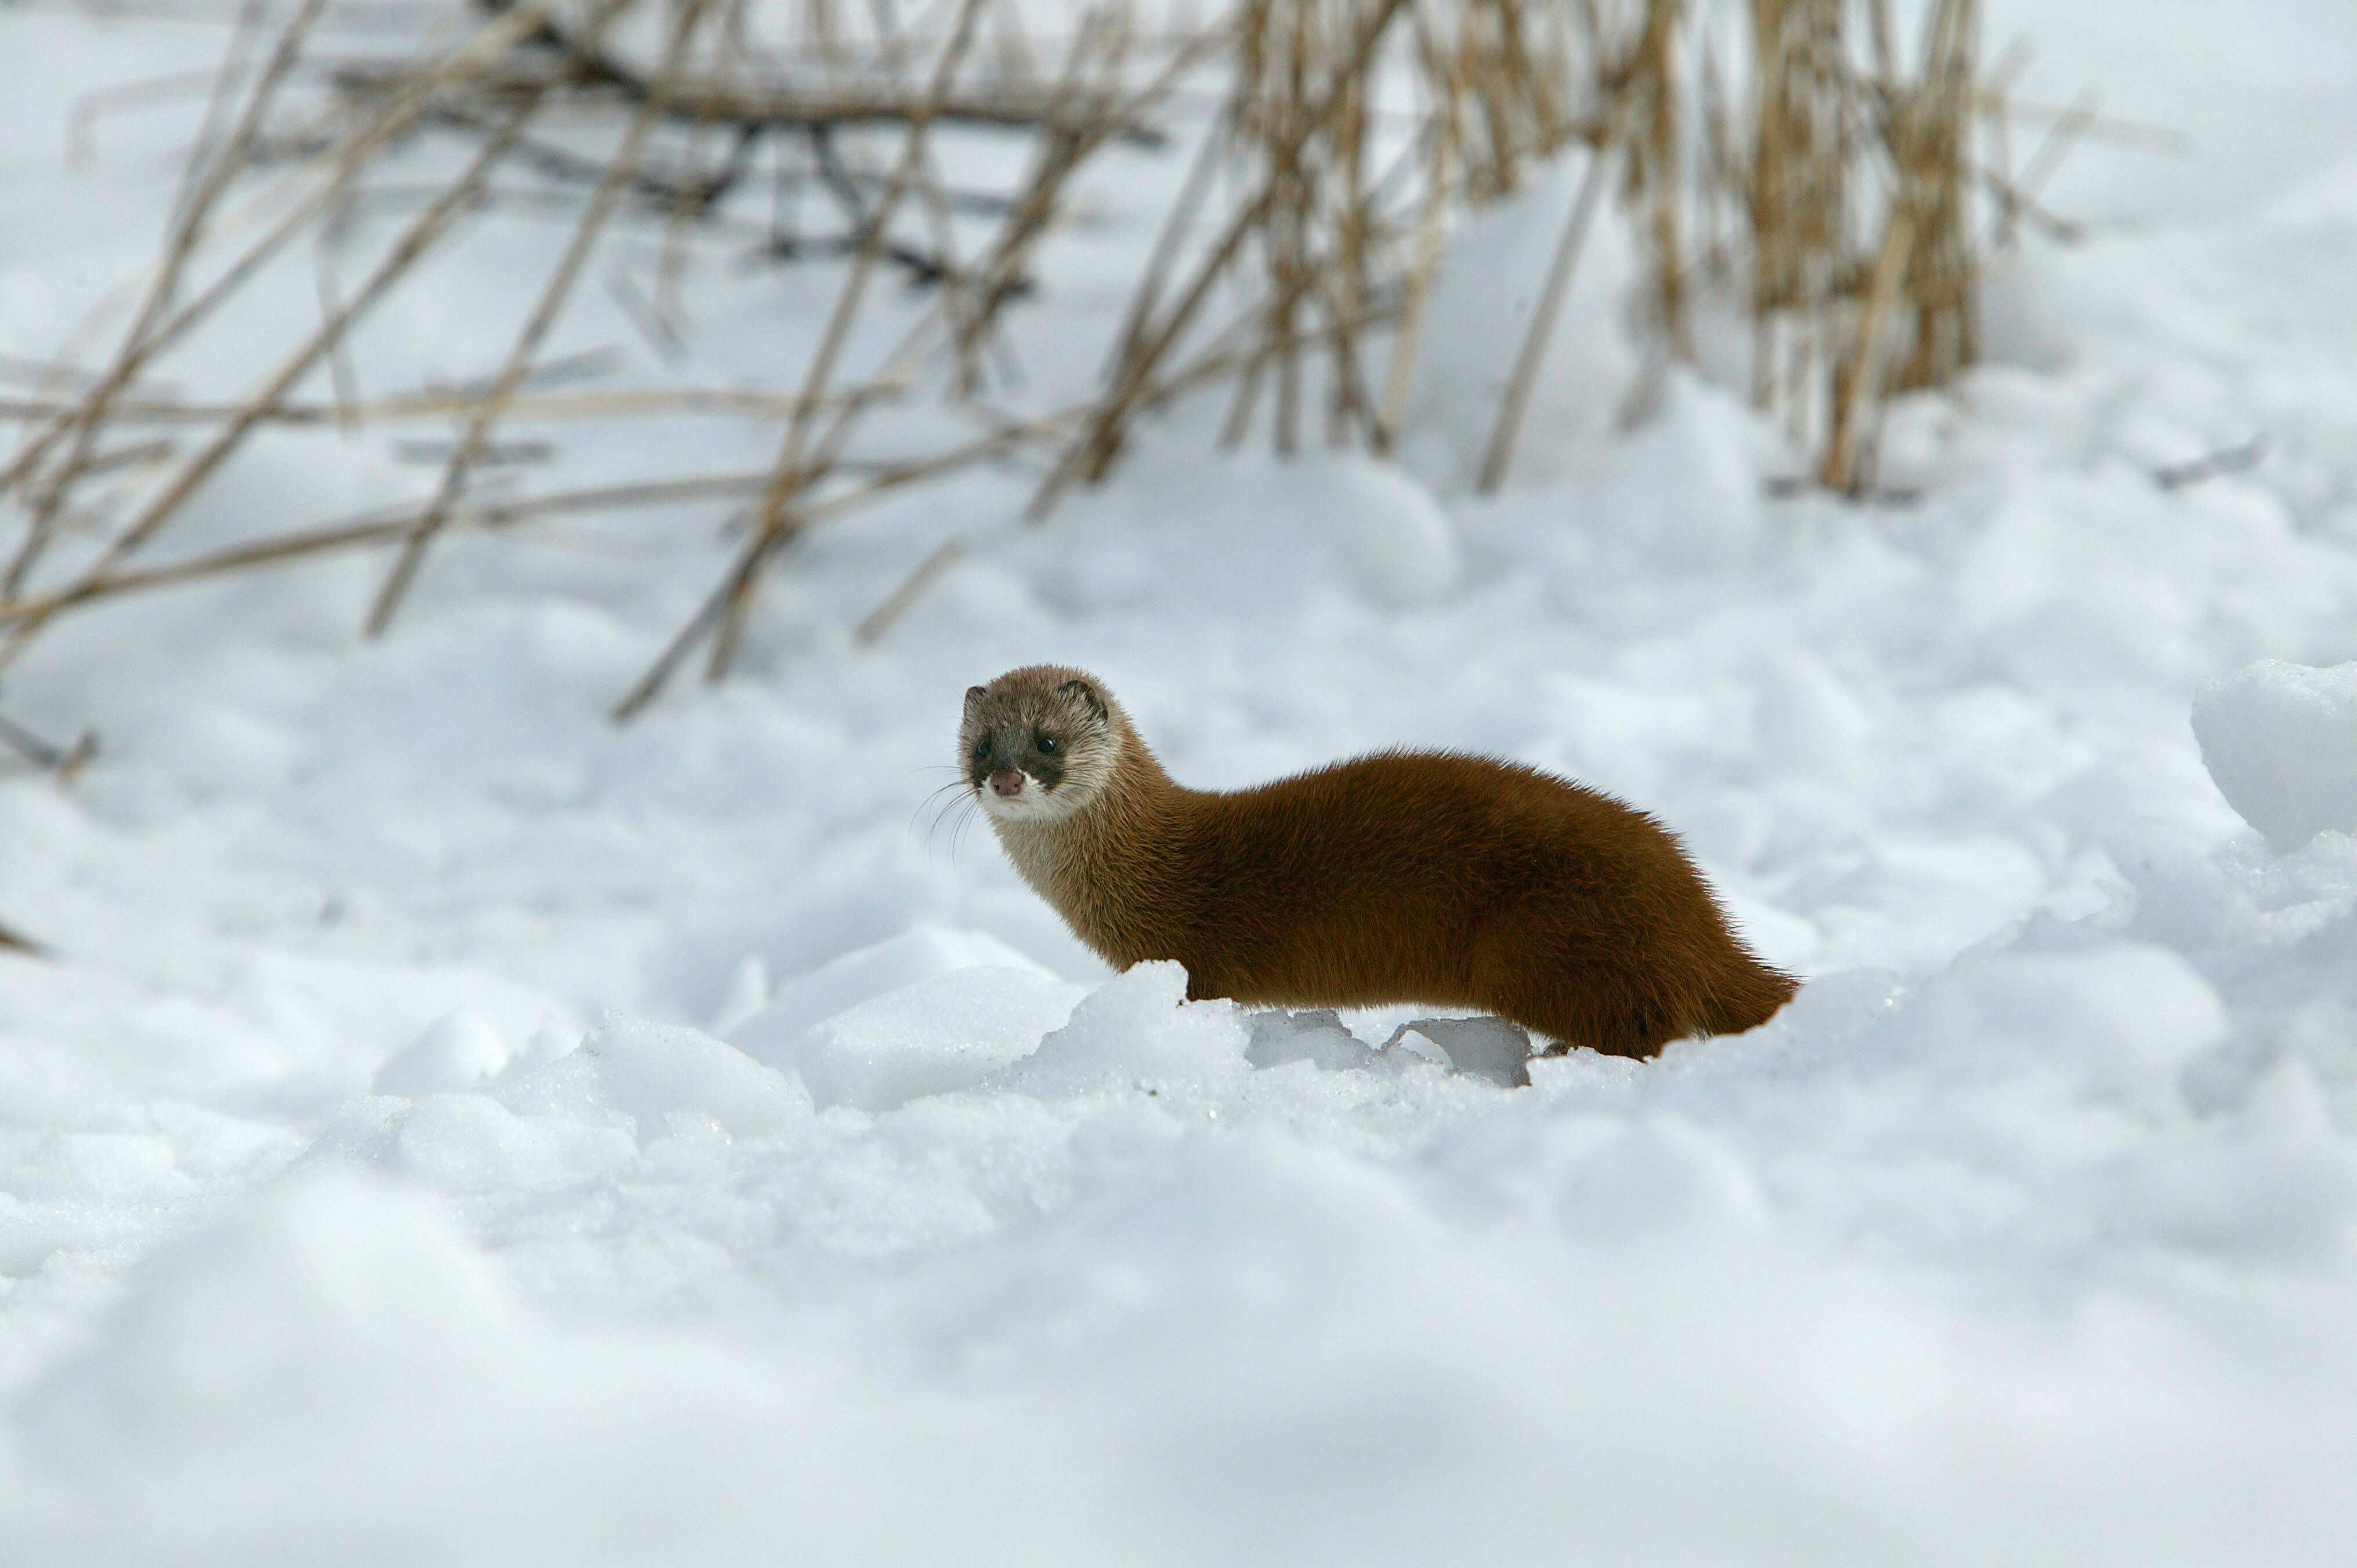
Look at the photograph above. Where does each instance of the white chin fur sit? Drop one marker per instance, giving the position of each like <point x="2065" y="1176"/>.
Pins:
<point x="1033" y="805"/>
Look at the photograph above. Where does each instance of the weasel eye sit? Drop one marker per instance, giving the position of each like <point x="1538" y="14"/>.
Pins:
<point x="1049" y="744"/>
<point x="981" y="750"/>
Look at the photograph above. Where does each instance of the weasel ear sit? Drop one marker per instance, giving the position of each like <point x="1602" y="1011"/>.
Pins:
<point x="973" y="695"/>
<point x="1091" y="698"/>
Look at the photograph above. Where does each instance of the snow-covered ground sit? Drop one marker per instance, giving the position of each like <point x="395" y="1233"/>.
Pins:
<point x="376" y="1185"/>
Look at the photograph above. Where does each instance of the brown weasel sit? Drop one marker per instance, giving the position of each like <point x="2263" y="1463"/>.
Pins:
<point x="1406" y="876"/>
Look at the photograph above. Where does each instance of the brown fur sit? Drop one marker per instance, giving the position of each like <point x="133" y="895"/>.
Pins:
<point x="1403" y="877"/>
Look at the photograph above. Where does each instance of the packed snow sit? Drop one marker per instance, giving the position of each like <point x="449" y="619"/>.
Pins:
<point x="449" y="1128"/>
<point x="2281" y="741"/>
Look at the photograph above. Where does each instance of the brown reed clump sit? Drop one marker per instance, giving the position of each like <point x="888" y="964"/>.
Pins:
<point x="1904" y="320"/>
<point x="1333" y="251"/>
<point x="92" y="507"/>
<point x="1842" y="201"/>
<point x="1857" y="189"/>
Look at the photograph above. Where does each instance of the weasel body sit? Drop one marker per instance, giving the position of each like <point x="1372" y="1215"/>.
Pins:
<point x="1402" y="877"/>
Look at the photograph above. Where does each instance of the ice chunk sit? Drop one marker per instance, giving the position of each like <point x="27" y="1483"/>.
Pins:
<point x="1485" y="1047"/>
<point x="1279" y="1036"/>
<point x="457" y="1051"/>
<point x="1138" y="1028"/>
<point x="947" y="1033"/>
<point x="2281" y="741"/>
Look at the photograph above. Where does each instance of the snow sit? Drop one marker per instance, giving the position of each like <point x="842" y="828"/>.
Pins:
<point x="2281" y="741"/>
<point x="1139" y="1033"/>
<point x="931" y="1037"/>
<point x="452" y="1129"/>
<point x="927" y="1012"/>
<point x="456" y="1051"/>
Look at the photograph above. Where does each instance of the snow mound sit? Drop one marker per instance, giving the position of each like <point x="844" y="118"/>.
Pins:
<point x="330" y="1296"/>
<point x="458" y="1050"/>
<point x="338" y="1371"/>
<point x="651" y="1073"/>
<point x="1479" y="314"/>
<point x="1255" y="530"/>
<point x="1687" y="489"/>
<point x="473" y="1143"/>
<point x="1140" y="1030"/>
<point x="921" y="952"/>
<point x="1389" y="536"/>
<point x="2085" y="1021"/>
<point x="927" y="1012"/>
<point x="2281" y="741"/>
<point x="933" y="1037"/>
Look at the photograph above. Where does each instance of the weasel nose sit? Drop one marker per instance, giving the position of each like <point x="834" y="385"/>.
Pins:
<point x="1007" y="783"/>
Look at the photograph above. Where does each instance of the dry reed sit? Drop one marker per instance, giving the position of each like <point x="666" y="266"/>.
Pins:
<point x="1835" y="196"/>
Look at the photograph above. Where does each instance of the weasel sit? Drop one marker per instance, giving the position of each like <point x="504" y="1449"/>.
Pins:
<point x="1407" y="877"/>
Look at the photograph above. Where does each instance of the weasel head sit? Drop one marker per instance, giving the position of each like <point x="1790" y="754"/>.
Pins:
<point x="1039" y="743"/>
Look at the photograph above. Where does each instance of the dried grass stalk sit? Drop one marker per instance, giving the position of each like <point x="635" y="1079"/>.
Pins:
<point x="1840" y="196"/>
<point x="619" y="171"/>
